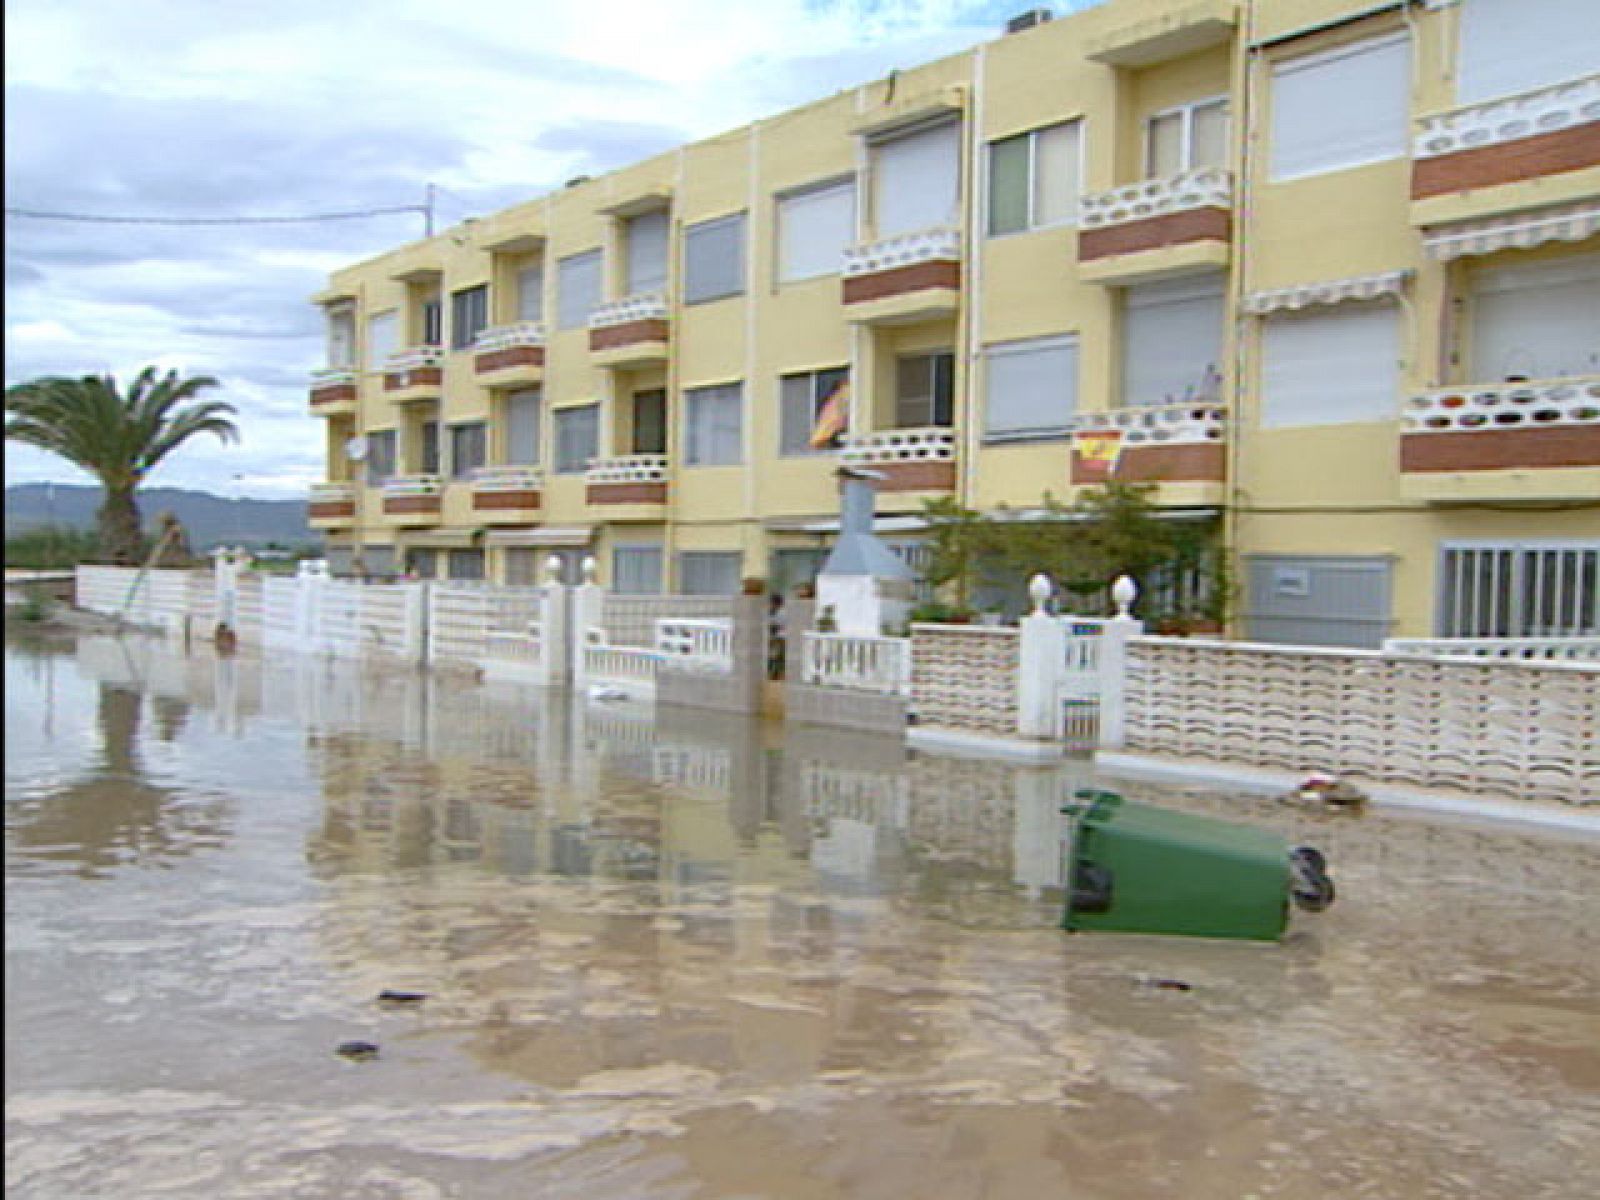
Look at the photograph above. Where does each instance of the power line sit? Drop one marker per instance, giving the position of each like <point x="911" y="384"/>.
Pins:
<point x="100" y="219"/>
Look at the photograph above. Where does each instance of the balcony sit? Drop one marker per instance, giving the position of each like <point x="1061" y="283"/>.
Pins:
<point x="509" y="355"/>
<point x="333" y="392"/>
<point x="630" y="488"/>
<point x="414" y="374"/>
<point x="633" y="332"/>
<point x="903" y="279"/>
<point x="1157" y="228"/>
<point x="1179" y="30"/>
<point x="1501" y="156"/>
<point x="910" y="460"/>
<point x="507" y="495"/>
<point x="412" y="500"/>
<point x="331" y="505"/>
<point x="1181" y="447"/>
<point x="1536" y="441"/>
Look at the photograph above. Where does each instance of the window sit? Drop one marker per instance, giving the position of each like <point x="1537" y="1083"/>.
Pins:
<point x="577" y="289"/>
<point x="383" y="337"/>
<point x="432" y="313"/>
<point x="713" y="259"/>
<point x="1519" y="589"/>
<point x="1031" y="388"/>
<point x="468" y="445"/>
<point x="800" y="401"/>
<point x="647" y="253"/>
<point x="523" y="412"/>
<point x="1183" y="138"/>
<point x="1536" y="320"/>
<point x="422" y="562"/>
<point x="924" y="390"/>
<point x="1341" y="109"/>
<point x="1510" y="46"/>
<point x="636" y="570"/>
<point x="650" y="421"/>
<point x="1330" y="366"/>
<point x="713" y="436"/>
<point x="577" y="438"/>
<point x="814" y="228"/>
<point x="469" y="316"/>
<point x="521" y="566"/>
<point x="465" y="564"/>
<point x="916" y="180"/>
<point x="428" y="452"/>
<point x="1034" y="178"/>
<point x="341" y="337"/>
<point x="1172" y="342"/>
<point x="709" y="573"/>
<point x="530" y="293"/>
<point x="380" y="456"/>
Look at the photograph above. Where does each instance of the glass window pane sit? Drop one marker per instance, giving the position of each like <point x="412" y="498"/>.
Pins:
<point x="1163" y="146"/>
<point x="636" y="570"/>
<point x="713" y="434"/>
<point x="1055" y="183"/>
<point x="466" y="449"/>
<point x="577" y="438"/>
<point x="1008" y="185"/>
<point x="913" y="400"/>
<point x="469" y="313"/>
<point x="650" y="421"/>
<point x="708" y="573"/>
<point x="430" y="448"/>
<point x="1208" y="137"/>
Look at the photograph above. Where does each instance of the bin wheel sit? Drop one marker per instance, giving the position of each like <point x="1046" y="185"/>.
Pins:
<point x="1311" y="856"/>
<point x="1311" y="888"/>
<point x="1317" y="898"/>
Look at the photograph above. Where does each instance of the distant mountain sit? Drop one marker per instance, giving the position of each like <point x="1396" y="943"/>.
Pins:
<point x="210" y="520"/>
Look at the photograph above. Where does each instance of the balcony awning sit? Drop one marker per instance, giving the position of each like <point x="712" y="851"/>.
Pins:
<point x="1328" y="291"/>
<point x="1563" y="223"/>
<point x="439" y="539"/>
<point x="550" y="535"/>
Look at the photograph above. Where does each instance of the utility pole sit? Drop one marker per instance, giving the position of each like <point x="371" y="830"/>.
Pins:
<point x="427" y="213"/>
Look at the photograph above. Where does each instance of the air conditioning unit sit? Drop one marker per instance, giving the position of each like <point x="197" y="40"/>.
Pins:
<point x="1027" y="20"/>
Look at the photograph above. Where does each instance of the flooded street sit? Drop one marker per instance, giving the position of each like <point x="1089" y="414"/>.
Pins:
<point x="678" y="956"/>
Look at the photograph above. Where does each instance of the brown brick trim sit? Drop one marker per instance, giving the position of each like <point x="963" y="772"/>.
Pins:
<point x="334" y="393"/>
<point x="1570" y="149"/>
<point x="1153" y="233"/>
<point x="512" y="356"/>
<point x="400" y="505"/>
<point x="1198" y="462"/>
<point x="331" y="510"/>
<point x="396" y="381"/>
<point x="627" y="493"/>
<point x="941" y="273"/>
<point x="1463" y="450"/>
<point x="488" y="501"/>
<point x="630" y="333"/>
<point x="934" y="476"/>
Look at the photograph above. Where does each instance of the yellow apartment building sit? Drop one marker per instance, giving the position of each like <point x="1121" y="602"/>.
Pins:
<point x="1327" y="272"/>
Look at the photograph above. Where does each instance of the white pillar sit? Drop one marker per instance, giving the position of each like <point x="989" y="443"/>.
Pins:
<point x="415" y="649"/>
<point x="555" y="638"/>
<point x="1043" y="645"/>
<point x="588" y="612"/>
<point x="1114" y="665"/>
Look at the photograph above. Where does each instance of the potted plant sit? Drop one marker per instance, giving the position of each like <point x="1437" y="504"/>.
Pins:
<point x="753" y="585"/>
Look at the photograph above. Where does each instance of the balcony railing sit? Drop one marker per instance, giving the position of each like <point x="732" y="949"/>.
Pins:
<point x="1512" y="118"/>
<point x="630" y="468"/>
<point x="509" y="337"/>
<point x="412" y="359"/>
<point x="331" y="377"/>
<point x="331" y="493"/>
<point x="507" y="479"/>
<point x="399" y="487"/>
<point x="647" y="306"/>
<point x="933" y="444"/>
<point x="1203" y="187"/>
<point x="942" y="244"/>
<point x="1498" y="407"/>
<point x="1158" y="424"/>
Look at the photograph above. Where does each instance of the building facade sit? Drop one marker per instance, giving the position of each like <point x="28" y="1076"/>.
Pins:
<point x="1326" y="272"/>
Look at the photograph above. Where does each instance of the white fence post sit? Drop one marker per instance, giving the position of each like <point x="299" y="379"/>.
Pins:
<point x="555" y="649"/>
<point x="1043" y="645"/>
<point x="588" y="612"/>
<point x="415" y="646"/>
<point x="1114" y="664"/>
<point x="308" y="606"/>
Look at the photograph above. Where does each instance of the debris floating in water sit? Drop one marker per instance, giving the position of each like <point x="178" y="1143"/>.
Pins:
<point x="357" y="1051"/>
<point x="1320" y="787"/>
<point x="390" y="998"/>
<point x="1168" y="985"/>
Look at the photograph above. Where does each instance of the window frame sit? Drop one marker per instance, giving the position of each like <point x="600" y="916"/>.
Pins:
<point x="560" y="465"/>
<point x="457" y="431"/>
<point x="1300" y="62"/>
<point x="1346" y="308"/>
<point x="569" y="262"/>
<point x="390" y="439"/>
<point x="740" y="285"/>
<point x="935" y="359"/>
<point x="1032" y="224"/>
<point x="691" y="400"/>
<point x="475" y="301"/>
<point x="1186" y="112"/>
<point x="816" y="399"/>
<point x="848" y="185"/>
<point x="1014" y="346"/>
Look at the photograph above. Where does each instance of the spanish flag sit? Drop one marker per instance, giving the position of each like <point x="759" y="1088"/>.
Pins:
<point x="1095" y="455"/>
<point x="833" y="418"/>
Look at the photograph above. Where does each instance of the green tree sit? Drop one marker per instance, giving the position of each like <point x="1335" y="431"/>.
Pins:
<point x="117" y="438"/>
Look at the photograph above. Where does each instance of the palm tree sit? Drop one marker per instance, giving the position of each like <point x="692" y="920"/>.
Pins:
<point x="117" y="438"/>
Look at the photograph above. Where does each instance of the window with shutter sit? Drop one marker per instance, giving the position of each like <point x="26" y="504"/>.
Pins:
<point x="523" y="412"/>
<point x="1537" y="320"/>
<point x="577" y="432"/>
<point x="1330" y="365"/>
<point x="1172" y="342"/>
<point x="814" y="228"/>
<point x="1511" y="46"/>
<point x="713" y="259"/>
<point x="383" y="338"/>
<point x="577" y="289"/>
<point x="916" y="180"/>
<point x="647" y="253"/>
<point x="1344" y="108"/>
<point x="1031" y="388"/>
<point x="713" y="434"/>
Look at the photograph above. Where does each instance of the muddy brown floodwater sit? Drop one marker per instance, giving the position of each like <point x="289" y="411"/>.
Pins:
<point x="679" y="956"/>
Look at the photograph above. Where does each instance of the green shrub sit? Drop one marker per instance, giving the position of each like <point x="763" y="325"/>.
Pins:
<point x="51" y="548"/>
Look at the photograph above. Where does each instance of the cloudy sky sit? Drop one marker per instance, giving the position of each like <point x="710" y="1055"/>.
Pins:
<point x="199" y="110"/>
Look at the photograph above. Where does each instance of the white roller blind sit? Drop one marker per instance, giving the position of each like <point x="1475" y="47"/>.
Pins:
<point x="577" y="289"/>
<point x="1057" y="152"/>
<point x="341" y="338"/>
<point x="1330" y="365"/>
<point x="522" y="427"/>
<point x="1539" y="320"/>
<point x="383" y="337"/>
<point x="530" y="294"/>
<point x="1172" y="341"/>
<point x="636" y="570"/>
<point x="814" y="227"/>
<point x="713" y="259"/>
<point x="915" y="180"/>
<point x="1510" y="46"/>
<point x="1031" y="387"/>
<point x="714" y="425"/>
<point x="647" y="253"/>
<point x="1341" y="109"/>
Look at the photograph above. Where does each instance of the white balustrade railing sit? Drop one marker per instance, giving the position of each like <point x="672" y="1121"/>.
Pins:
<point x="900" y="445"/>
<point x="1508" y="119"/>
<point x="507" y="479"/>
<point x="411" y="359"/>
<point x="861" y="664"/>
<point x="647" y="306"/>
<point x="1203" y="187"/>
<point x="696" y="644"/>
<point x="1158" y="424"/>
<point x="1536" y="649"/>
<point x="605" y="663"/>
<point x="332" y="377"/>
<point x="942" y="244"/>
<point x="628" y="468"/>
<point x="331" y="493"/>
<point x="411" y="485"/>
<point x="508" y="337"/>
<point x="1490" y="407"/>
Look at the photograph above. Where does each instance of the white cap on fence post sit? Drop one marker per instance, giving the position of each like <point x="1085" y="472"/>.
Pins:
<point x="1123" y="593"/>
<point x="590" y="569"/>
<point x="1040" y="589"/>
<point x="552" y="570"/>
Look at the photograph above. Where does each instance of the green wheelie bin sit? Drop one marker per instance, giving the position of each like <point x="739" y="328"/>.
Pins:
<point x="1137" y="868"/>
